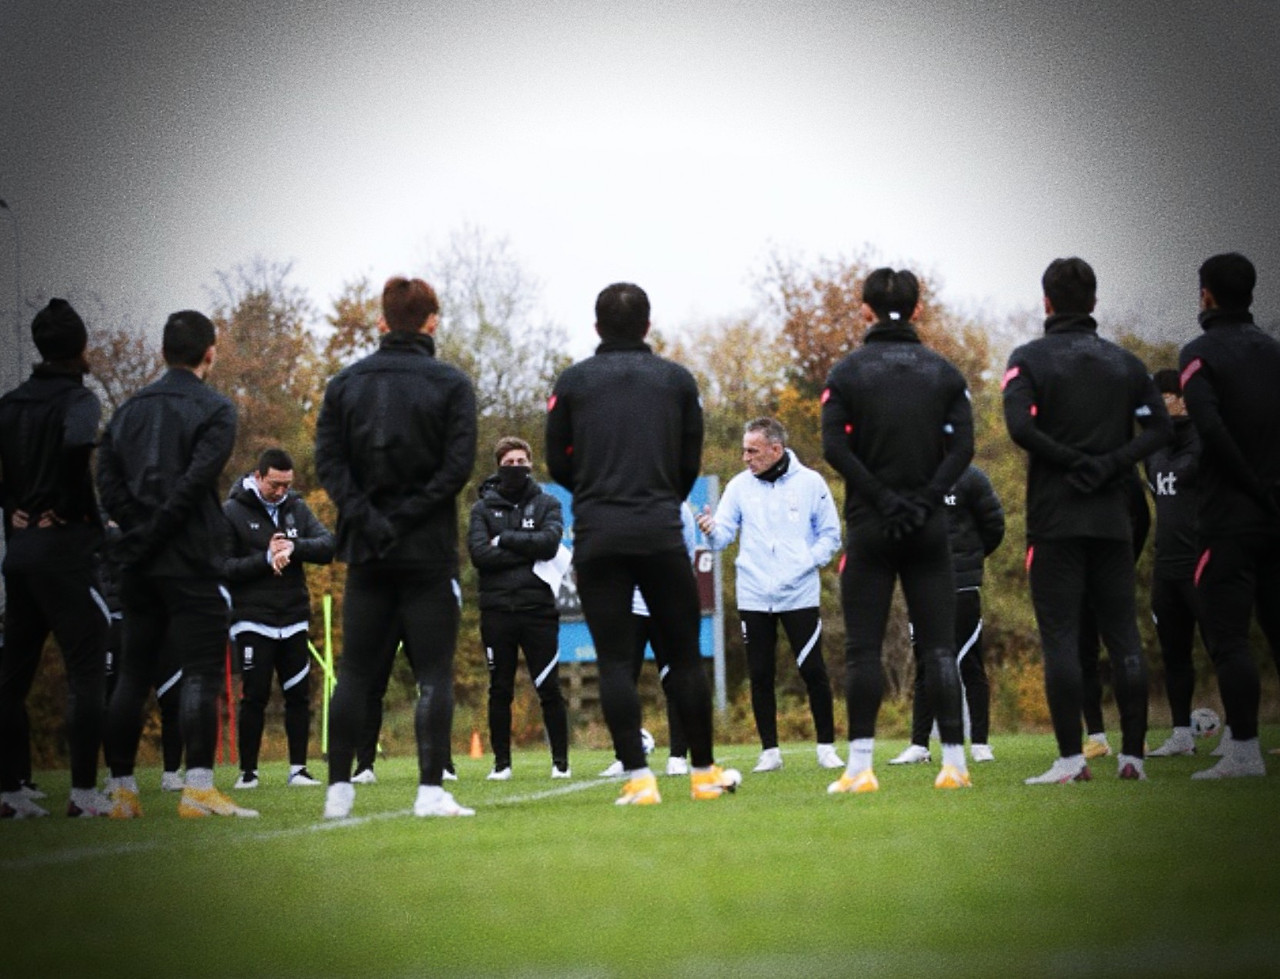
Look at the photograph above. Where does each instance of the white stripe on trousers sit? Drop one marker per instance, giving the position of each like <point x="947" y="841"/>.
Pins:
<point x="808" y="647"/>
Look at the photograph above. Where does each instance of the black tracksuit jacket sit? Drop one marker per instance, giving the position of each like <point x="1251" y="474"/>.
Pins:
<point x="528" y="530"/>
<point x="975" y="525"/>
<point x="158" y="469"/>
<point x="395" y="444"/>
<point x="1231" y="383"/>
<point x="1071" y="395"/>
<point x="624" y="435"/>
<point x="895" y="416"/>
<point x="258" y="594"/>
<point x="48" y="425"/>
<point x="1172" y="474"/>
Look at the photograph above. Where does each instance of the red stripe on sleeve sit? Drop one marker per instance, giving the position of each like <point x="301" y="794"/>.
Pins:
<point x="1009" y="375"/>
<point x="551" y="404"/>
<point x="1031" y="556"/>
<point x="1201" y="564"/>
<point x="1189" y="371"/>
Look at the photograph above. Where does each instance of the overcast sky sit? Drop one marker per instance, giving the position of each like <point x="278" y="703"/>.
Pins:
<point x="145" y="145"/>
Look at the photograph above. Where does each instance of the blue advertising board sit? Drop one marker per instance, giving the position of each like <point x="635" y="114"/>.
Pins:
<point x="576" y="645"/>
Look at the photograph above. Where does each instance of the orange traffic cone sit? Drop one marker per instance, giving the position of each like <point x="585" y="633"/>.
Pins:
<point x="477" y="751"/>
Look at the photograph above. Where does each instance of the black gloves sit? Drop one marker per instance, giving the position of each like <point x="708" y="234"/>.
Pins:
<point x="1091" y="473"/>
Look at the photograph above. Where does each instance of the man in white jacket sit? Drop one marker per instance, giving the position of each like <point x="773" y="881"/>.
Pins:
<point x="790" y="529"/>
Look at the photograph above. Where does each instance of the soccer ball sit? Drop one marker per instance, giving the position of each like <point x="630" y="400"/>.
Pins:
<point x="646" y="741"/>
<point x="1205" y="722"/>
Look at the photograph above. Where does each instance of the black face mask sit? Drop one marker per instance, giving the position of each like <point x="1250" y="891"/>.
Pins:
<point x="512" y="480"/>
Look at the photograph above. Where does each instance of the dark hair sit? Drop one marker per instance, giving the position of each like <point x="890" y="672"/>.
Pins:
<point x="622" y="312"/>
<point x="1230" y="279"/>
<point x="407" y="304"/>
<point x="1168" y="381"/>
<point x="772" y="429"/>
<point x="1070" y="285"/>
<point x="187" y="335"/>
<point x="506" y="444"/>
<point x="888" y="292"/>
<point x="277" y="459"/>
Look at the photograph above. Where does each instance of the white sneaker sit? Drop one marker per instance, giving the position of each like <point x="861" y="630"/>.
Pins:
<point x="1130" y="768"/>
<point x="247" y="780"/>
<point x="87" y="803"/>
<point x="446" y="775"/>
<point x="827" y="757"/>
<point x="561" y="772"/>
<point x="435" y="801"/>
<point x="677" y="765"/>
<point x="981" y="752"/>
<point x="364" y="777"/>
<point x="914" y="754"/>
<point x="302" y="777"/>
<point x="614" y="771"/>
<point x="16" y="805"/>
<point x="32" y="791"/>
<point x="770" y="760"/>
<point x="1180" y="742"/>
<point x="1224" y="744"/>
<point x="1064" y="770"/>
<point x="172" y="782"/>
<point x="497" y="775"/>
<point x="1243" y="761"/>
<point x="339" y="800"/>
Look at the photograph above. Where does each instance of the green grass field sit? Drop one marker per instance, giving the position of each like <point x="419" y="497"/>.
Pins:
<point x="1164" y="878"/>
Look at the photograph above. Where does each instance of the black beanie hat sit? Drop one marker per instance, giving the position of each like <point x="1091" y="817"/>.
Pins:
<point x="59" y="331"/>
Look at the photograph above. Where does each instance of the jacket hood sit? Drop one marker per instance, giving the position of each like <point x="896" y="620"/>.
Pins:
<point x="245" y="491"/>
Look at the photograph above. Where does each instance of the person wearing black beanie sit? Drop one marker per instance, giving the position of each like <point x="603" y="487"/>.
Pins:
<point x="59" y="333"/>
<point x="52" y="530"/>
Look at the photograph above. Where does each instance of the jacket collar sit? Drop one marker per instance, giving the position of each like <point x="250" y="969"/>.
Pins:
<point x="1213" y="318"/>
<point x="1070" y="323"/>
<point x="891" y="331"/>
<point x="615" y="346"/>
<point x="398" y="340"/>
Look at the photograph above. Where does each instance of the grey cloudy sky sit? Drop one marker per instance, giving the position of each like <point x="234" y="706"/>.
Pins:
<point x="144" y="145"/>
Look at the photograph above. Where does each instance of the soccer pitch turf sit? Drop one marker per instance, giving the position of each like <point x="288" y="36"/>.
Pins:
<point x="1167" y="877"/>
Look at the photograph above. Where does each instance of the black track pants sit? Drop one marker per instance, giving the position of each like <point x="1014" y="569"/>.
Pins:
<point x="922" y="562"/>
<point x="1065" y="575"/>
<point x="504" y="634"/>
<point x="261" y="660"/>
<point x="191" y="615"/>
<point x="382" y="605"/>
<point x="804" y="632"/>
<point x="605" y="587"/>
<point x="973" y="674"/>
<point x="679" y="744"/>
<point x="1175" y="608"/>
<point x="66" y="603"/>
<point x="1236" y="577"/>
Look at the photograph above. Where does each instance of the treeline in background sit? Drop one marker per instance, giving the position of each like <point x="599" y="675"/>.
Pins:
<point x="277" y="350"/>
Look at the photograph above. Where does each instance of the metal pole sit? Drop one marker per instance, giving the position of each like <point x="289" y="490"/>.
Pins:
<point x="19" y="345"/>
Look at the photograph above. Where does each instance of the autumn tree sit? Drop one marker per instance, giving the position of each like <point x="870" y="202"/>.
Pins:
<point x="123" y="359"/>
<point x="491" y="326"/>
<point x="353" y="325"/>
<point x="740" y="365"/>
<point x="267" y="361"/>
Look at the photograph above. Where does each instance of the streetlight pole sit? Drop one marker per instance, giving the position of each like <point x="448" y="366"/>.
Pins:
<point x="18" y="346"/>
